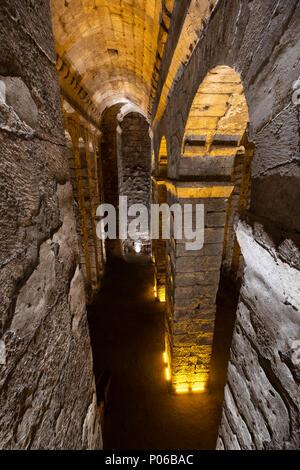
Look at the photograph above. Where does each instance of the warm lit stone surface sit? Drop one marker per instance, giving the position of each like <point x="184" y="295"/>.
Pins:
<point x="159" y="255"/>
<point x="192" y="284"/>
<point x="134" y="168"/>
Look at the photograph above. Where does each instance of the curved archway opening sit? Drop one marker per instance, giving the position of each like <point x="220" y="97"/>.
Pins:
<point x="218" y="116"/>
<point x="214" y="172"/>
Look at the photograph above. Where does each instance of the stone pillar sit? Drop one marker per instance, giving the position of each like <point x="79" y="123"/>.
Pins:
<point x="82" y="208"/>
<point x="85" y="180"/>
<point x="192" y="285"/>
<point x="98" y="194"/>
<point x="159" y="196"/>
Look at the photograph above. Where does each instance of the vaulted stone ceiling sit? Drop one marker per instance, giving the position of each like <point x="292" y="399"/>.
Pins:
<point x="112" y="45"/>
<point x="198" y="12"/>
<point x="115" y="47"/>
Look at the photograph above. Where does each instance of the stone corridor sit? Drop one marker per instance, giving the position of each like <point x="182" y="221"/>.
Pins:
<point x="127" y="334"/>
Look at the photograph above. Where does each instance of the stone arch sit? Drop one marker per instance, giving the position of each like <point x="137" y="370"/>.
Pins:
<point x="216" y="131"/>
<point x="134" y="172"/>
<point x="126" y="149"/>
<point x="213" y="171"/>
<point x="218" y="116"/>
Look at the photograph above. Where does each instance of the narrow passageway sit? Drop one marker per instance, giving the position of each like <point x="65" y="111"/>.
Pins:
<point x="127" y="333"/>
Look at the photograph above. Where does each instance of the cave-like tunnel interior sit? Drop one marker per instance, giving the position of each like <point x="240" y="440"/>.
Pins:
<point x="150" y="247"/>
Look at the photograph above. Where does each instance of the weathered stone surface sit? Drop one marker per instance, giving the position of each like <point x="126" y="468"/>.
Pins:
<point x="197" y="278"/>
<point x="259" y="40"/>
<point x="262" y="399"/>
<point x="199" y="263"/>
<point x="47" y="391"/>
<point x="134" y="169"/>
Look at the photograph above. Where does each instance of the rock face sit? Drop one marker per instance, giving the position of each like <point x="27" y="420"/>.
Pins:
<point x="261" y="406"/>
<point x="47" y="392"/>
<point x="261" y="409"/>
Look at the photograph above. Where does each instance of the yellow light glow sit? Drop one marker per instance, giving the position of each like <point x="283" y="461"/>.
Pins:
<point x="181" y="390"/>
<point x="201" y="192"/>
<point x="168" y="374"/>
<point x="165" y="358"/>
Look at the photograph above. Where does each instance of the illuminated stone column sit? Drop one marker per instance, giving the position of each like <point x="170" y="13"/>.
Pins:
<point x="237" y="264"/>
<point x="192" y="285"/>
<point x="99" y="192"/>
<point x="159" y="196"/>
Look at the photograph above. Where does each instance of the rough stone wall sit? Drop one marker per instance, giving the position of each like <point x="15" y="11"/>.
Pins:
<point x="254" y="36"/>
<point x="47" y="392"/>
<point x="134" y="167"/>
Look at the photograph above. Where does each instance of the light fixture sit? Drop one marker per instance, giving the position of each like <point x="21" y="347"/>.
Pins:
<point x="138" y="247"/>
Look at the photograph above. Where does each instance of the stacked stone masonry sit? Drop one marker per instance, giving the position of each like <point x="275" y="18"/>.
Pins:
<point x="218" y="77"/>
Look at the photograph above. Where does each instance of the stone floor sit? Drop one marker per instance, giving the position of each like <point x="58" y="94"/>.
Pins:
<point x="126" y="325"/>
